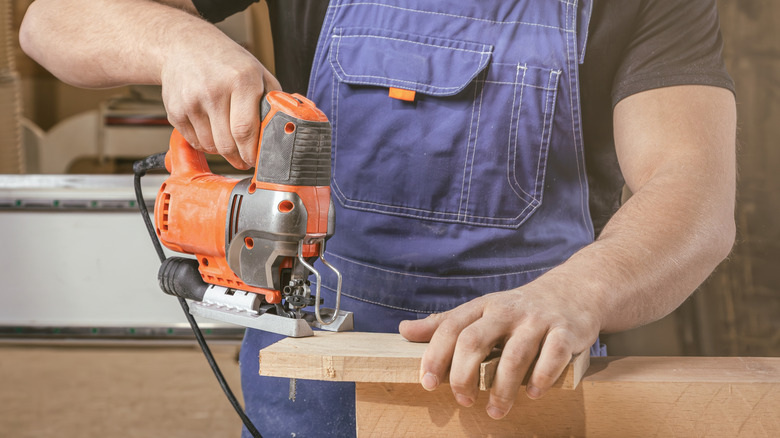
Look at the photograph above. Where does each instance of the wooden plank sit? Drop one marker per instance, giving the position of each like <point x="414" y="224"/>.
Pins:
<point x="345" y="356"/>
<point x="371" y="357"/>
<point x="619" y="397"/>
<point x="569" y="379"/>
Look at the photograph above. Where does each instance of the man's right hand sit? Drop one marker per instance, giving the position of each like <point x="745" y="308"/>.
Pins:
<point x="212" y="87"/>
<point x="214" y="102"/>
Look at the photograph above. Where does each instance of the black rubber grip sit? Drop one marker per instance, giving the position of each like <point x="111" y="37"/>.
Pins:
<point x="295" y="152"/>
<point x="179" y="276"/>
<point x="152" y="162"/>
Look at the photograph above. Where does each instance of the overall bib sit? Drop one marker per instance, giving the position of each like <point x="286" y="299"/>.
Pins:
<point x="458" y="168"/>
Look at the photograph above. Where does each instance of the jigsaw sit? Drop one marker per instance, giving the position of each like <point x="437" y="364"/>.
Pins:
<point x="254" y="240"/>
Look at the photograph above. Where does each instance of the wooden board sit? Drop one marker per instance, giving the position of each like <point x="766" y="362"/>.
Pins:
<point x="371" y="357"/>
<point x="619" y="397"/>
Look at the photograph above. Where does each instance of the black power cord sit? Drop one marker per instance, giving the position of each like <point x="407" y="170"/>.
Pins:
<point x="140" y="168"/>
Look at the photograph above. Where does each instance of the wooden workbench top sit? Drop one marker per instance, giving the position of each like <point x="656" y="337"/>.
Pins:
<point x="617" y="397"/>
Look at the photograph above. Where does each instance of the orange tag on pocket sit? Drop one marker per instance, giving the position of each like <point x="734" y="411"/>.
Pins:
<point x="401" y="94"/>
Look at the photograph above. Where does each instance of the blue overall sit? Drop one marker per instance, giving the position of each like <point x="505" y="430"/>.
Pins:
<point x="476" y="185"/>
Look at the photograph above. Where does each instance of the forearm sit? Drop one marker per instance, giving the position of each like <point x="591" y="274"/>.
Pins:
<point x="102" y="43"/>
<point x="676" y="228"/>
<point x="211" y="86"/>
<point x="654" y="252"/>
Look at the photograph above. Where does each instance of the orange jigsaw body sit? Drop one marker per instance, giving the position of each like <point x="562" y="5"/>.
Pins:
<point x="192" y="211"/>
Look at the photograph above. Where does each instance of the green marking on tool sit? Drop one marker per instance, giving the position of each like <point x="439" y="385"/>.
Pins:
<point x="56" y="203"/>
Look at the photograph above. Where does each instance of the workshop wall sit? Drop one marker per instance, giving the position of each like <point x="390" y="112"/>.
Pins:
<point x="737" y="311"/>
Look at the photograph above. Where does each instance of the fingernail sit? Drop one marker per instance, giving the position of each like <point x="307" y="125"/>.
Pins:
<point x="429" y="381"/>
<point x="464" y="400"/>
<point x="533" y="392"/>
<point x="495" y="412"/>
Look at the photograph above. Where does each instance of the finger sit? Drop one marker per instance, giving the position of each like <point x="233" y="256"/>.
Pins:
<point x="223" y="138"/>
<point x="420" y="330"/>
<point x="204" y="140"/>
<point x="473" y="345"/>
<point x="270" y="83"/>
<point x="438" y="355"/>
<point x="518" y="354"/>
<point x="245" y="125"/>
<point x="187" y="131"/>
<point x="555" y="355"/>
<point x="178" y="118"/>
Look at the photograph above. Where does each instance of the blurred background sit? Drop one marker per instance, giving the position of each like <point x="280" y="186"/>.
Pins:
<point x="90" y="347"/>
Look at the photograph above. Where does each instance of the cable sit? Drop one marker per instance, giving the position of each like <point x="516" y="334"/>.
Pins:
<point x="140" y="168"/>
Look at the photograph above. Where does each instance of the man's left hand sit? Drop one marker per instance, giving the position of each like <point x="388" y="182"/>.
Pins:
<point x="525" y="322"/>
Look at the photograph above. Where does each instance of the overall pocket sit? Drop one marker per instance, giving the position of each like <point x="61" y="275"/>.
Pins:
<point x="469" y="146"/>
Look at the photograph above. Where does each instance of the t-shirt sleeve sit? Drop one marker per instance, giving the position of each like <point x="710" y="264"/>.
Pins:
<point x="217" y="10"/>
<point x="675" y="42"/>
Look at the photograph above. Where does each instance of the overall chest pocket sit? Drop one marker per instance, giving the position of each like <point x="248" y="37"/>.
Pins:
<point x="469" y="145"/>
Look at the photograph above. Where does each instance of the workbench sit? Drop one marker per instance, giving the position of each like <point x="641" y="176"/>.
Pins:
<point x="617" y="397"/>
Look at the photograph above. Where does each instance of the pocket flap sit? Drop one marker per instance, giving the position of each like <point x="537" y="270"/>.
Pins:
<point x="429" y="65"/>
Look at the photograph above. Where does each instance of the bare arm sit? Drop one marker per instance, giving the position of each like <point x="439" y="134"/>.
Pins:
<point x="211" y="85"/>
<point x="676" y="148"/>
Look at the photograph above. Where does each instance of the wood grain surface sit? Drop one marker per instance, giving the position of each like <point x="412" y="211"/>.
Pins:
<point x="619" y="397"/>
<point x="371" y="357"/>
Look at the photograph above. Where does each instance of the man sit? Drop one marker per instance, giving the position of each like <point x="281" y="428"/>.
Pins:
<point x="467" y="198"/>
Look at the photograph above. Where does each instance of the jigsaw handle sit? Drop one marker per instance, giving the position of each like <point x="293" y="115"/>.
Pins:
<point x="294" y="146"/>
<point x="295" y="139"/>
